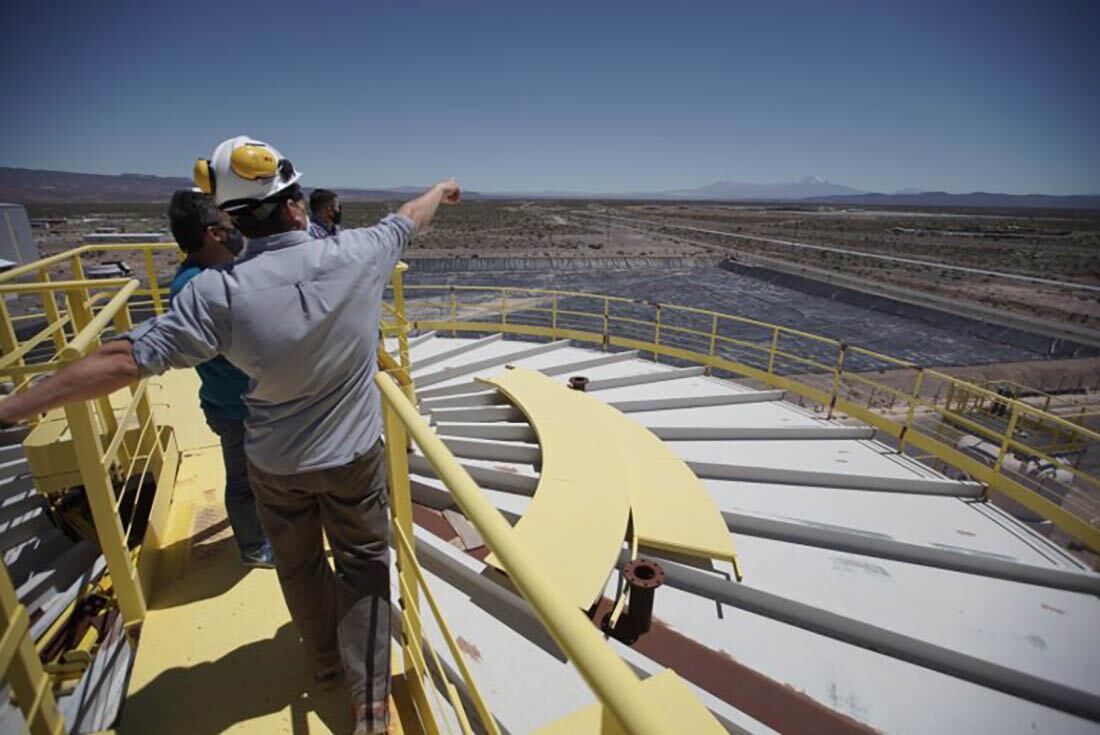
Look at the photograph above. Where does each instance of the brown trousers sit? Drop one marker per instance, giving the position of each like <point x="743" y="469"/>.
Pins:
<point x="342" y="617"/>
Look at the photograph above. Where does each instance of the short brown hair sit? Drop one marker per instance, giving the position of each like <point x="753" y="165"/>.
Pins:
<point x="189" y="214"/>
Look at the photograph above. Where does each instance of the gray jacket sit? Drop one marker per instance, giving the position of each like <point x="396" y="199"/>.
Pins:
<point x="300" y="318"/>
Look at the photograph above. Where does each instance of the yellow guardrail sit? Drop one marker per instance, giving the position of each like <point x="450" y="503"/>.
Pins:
<point x="141" y="450"/>
<point x="117" y="448"/>
<point x="613" y="682"/>
<point x="914" y="406"/>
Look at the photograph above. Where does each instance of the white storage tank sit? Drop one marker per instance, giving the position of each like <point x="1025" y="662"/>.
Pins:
<point x="17" y="245"/>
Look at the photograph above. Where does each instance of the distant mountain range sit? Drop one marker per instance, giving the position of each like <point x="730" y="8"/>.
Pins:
<point x="809" y="187"/>
<point x="34" y="186"/>
<point x="29" y="186"/>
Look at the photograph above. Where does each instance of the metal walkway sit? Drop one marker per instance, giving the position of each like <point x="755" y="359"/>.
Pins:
<point x="216" y="632"/>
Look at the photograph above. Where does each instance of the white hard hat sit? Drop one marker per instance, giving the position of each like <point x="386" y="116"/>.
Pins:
<point x="243" y="173"/>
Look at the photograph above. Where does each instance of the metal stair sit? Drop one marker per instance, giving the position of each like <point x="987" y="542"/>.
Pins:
<point x="51" y="571"/>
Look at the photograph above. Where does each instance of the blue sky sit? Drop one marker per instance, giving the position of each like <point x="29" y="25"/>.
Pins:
<point x="631" y="96"/>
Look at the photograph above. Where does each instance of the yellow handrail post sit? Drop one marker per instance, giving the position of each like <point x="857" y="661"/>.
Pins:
<point x="398" y="281"/>
<point x="836" y="378"/>
<point x="49" y="307"/>
<point x="21" y="667"/>
<point x="657" y="331"/>
<point x="76" y="265"/>
<point x="773" y="350"/>
<point x="101" y="499"/>
<point x="78" y="308"/>
<point x="713" y="340"/>
<point x="1007" y="440"/>
<point x="8" y="340"/>
<point x="150" y="444"/>
<point x="454" y="313"/>
<point x="949" y="396"/>
<point x="913" y="398"/>
<point x="606" y="322"/>
<point x="397" y="469"/>
<point x="554" y="316"/>
<point x="154" y="287"/>
<point x="77" y="299"/>
<point x="1010" y="430"/>
<point x="504" y="306"/>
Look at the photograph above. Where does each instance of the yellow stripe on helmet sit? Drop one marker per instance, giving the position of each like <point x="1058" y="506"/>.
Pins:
<point x="252" y="162"/>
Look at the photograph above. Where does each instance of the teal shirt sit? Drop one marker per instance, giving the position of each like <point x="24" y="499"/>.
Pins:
<point x="223" y="385"/>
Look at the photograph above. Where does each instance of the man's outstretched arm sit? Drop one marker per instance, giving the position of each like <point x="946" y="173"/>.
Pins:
<point x="422" y="209"/>
<point x="102" y="372"/>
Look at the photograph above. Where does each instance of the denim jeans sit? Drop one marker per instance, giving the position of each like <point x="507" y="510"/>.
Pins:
<point x="240" y="504"/>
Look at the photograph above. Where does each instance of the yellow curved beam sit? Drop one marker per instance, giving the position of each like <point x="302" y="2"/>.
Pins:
<point x="593" y="454"/>
<point x="577" y="520"/>
<point x="670" y="507"/>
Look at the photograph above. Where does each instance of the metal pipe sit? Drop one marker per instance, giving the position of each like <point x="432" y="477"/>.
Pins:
<point x="453" y="372"/>
<point x="840" y="480"/>
<point x="760" y="433"/>
<point x="887" y="548"/>
<point x="643" y="577"/>
<point x="725" y="399"/>
<point x="896" y="645"/>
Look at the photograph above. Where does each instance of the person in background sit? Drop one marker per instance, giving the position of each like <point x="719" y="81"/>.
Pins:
<point x="324" y="214"/>
<point x="209" y="239"/>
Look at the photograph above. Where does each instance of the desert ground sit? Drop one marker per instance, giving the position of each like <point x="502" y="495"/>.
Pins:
<point x="1058" y="245"/>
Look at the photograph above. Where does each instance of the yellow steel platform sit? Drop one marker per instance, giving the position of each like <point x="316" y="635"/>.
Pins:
<point x="218" y="653"/>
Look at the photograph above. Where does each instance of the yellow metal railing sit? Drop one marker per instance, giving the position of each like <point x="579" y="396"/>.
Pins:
<point x="118" y="449"/>
<point x="75" y="314"/>
<point x="915" y="407"/>
<point x="613" y="682"/>
<point x="107" y="485"/>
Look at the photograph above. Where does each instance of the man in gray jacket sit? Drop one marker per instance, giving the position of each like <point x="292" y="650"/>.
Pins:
<point x="300" y="317"/>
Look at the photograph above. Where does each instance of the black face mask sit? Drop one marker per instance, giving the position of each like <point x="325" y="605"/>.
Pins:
<point x="337" y="216"/>
<point x="234" y="241"/>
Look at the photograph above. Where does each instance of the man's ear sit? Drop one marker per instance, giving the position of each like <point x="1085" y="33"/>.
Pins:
<point x="209" y="236"/>
<point x="295" y="213"/>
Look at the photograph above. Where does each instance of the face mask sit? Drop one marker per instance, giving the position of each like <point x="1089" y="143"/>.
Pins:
<point x="234" y="241"/>
<point x="337" y="216"/>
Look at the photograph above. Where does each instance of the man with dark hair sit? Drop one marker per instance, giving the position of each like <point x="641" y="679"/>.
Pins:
<point x="325" y="213"/>
<point x="209" y="238"/>
<point x="301" y="318"/>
